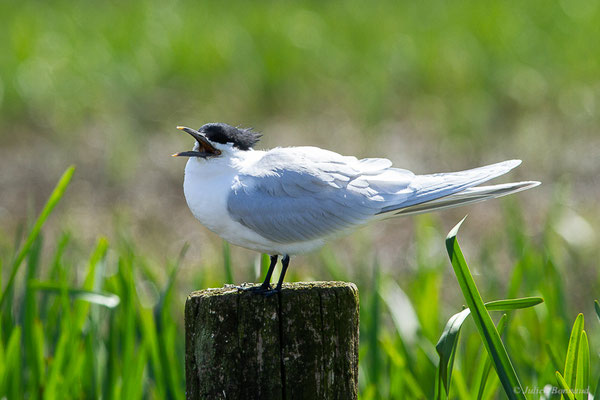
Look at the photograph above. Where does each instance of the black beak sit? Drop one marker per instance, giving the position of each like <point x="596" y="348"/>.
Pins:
<point x="206" y="148"/>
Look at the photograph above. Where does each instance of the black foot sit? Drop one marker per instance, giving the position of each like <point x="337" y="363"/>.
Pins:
<point x="262" y="289"/>
<point x="266" y="291"/>
<point x="271" y="292"/>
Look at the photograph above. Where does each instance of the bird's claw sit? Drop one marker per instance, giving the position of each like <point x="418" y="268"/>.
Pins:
<point x="264" y="290"/>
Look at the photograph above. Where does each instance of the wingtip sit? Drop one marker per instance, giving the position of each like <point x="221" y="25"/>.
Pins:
<point x="514" y="163"/>
<point x="520" y="186"/>
<point x="505" y="165"/>
<point x="532" y="184"/>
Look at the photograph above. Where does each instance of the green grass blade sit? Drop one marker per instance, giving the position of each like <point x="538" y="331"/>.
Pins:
<point x="446" y="347"/>
<point x="133" y="382"/>
<point x="570" y="371"/>
<point x="38" y="336"/>
<point x="167" y="333"/>
<point x="167" y="293"/>
<point x="553" y="357"/>
<point x="2" y="369"/>
<point x="459" y="383"/>
<point x="29" y="317"/>
<point x="53" y="200"/>
<point x="93" y="360"/>
<point x="170" y="340"/>
<point x="149" y="333"/>
<point x="562" y="384"/>
<point x="402" y="382"/>
<point x="111" y="382"/>
<point x="62" y="352"/>
<point x="483" y="321"/>
<point x="373" y="331"/>
<point x="227" y="262"/>
<point x="13" y="371"/>
<point x="597" y="308"/>
<point x="448" y="341"/>
<point x="597" y="392"/>
<point x="109" y="300"/>
<point x="72" y="378"/>
<point x="513" y="304"/>
<point x="582" y="382"/>
<point x="265" y="261"/>
<point x="440" y="391"/>
<point x="89" y="283"/>
<point x="488" y="362"/>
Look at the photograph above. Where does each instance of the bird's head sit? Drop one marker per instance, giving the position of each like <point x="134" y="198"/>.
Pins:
<point x="214" y="138"/>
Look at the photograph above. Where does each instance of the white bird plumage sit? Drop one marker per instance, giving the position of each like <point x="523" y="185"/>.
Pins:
<point x="292" y="200"/>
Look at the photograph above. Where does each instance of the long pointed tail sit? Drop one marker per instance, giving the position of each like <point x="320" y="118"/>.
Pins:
<point x="447" y="190"/>
<point x="467" y="196"/>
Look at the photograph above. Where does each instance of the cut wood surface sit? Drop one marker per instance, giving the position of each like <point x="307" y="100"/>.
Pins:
<point x="299" y="344"/>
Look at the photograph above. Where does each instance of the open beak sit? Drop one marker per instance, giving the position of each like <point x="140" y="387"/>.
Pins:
<point x="206" y="148"/>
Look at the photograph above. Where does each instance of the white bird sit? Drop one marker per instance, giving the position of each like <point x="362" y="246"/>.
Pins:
<point x="291" y="200"/>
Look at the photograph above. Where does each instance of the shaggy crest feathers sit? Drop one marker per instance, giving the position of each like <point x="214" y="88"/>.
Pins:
<point x="243" y="139"/>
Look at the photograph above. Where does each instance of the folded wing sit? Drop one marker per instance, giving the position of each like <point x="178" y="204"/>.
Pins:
<point x="306" y="193"/>
<point x="303" y="195"/>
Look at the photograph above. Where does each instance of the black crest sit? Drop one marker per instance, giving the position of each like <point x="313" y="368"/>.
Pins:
<point x="243" y="139"/>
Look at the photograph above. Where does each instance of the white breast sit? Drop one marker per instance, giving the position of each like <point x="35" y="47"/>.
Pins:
<point x="207" y="184"/>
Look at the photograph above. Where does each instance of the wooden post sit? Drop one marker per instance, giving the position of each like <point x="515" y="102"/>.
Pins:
<point x="300" y="344"/>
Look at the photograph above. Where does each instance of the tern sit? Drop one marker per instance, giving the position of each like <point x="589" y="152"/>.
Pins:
<point x="291" y="200"/>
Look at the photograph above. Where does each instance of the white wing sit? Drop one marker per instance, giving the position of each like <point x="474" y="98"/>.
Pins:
<point x="305" y="193"/>
<point x="297" y="194"/>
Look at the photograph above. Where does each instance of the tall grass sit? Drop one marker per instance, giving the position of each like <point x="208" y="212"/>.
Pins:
<point x="94" y="332"/>
<point x="96" y="339"/>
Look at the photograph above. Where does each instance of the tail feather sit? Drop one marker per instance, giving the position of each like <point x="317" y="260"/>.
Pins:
<point x="446" y="190"/>
<point x="467" y="196"/>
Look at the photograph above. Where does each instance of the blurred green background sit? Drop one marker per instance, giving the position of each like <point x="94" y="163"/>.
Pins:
<point x="433" y="86"/>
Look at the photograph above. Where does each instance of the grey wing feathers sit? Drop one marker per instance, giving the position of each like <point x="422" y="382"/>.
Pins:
<point x="306" y="193"/>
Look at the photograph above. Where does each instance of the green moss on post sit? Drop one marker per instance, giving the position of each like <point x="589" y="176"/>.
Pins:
<point x="301" y="344"/>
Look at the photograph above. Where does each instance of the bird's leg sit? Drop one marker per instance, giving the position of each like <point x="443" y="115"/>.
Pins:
<point x="285" y="261"/>
<point x="266" y="285"/>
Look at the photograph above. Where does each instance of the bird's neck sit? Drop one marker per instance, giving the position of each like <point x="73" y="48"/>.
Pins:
<point x="206" y="169"/>
<point x="230" y="163"/>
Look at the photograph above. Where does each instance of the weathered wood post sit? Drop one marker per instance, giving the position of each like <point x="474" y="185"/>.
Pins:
<point x="300" y="344"/>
